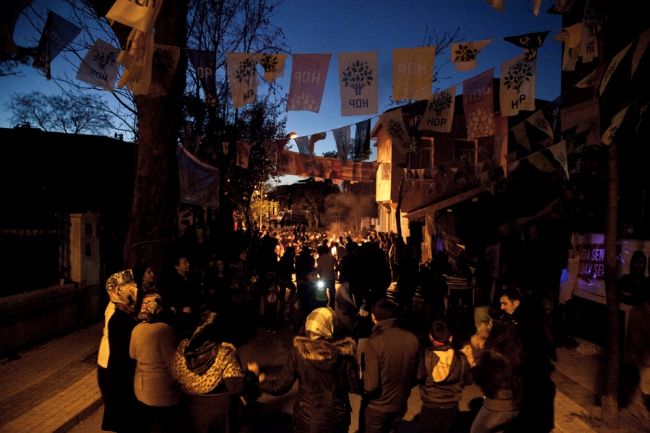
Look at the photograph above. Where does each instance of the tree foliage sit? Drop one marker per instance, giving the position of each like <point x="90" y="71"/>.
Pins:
<point x="307" y="196"/>
<point x="61" y="113"/>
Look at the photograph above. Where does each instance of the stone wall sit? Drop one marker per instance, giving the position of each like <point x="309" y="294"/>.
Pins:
<point x="40" y="315"/>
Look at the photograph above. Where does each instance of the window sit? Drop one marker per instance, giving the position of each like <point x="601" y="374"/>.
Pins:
<point x="423" y="157"/>
<point x="465" y="150"/>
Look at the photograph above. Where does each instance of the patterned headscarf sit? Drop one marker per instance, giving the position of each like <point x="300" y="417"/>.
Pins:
<point x="122" y="290"/>
<point x="320" y="323"/>
<point x="151" y="309"/>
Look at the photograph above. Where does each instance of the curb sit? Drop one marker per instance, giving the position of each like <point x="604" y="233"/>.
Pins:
<point x="82" y="415"/>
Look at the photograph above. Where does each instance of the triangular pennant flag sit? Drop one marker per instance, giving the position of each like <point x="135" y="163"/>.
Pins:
<point x="639" y="50"/>
<point x="308" y="75"/>
<point x="613" y="65"/>
<point x="517" y="86"/>
<point x="198" y="181"/>
<point x="57" y="34"/>
<point x="343" y="141"/>
<point x="362" y="139"/>
<point x="538" y="120"/>
<point x="273" y="65"/>
<point x="439" y="114"/>
<point x="541" y="162"/>
<point x="464" y="54"/>
<point x="243" y="154"/>
<point x="521" y="136"/>
<point x="303" y="145"/>
<point x="572" y="38"/>
<point x="610" y="134"/>
<point x="99" y="66"/>
<point x="140" y="15"/>
<point x="559" y="153"/>
<point x="242" y="76"/>
<point x="530" y="42"/>
<point x="393" y="121"/>
<point x="413" y="72"/>
<point x="584" y="116"/>
<point x="589" y="80"/>
<point x="512" y="166"/>
<point x="478" y="103"/>
<point x="165" y="60"/>
<point x="358" y="83"/>
<point x="314" y="138"/>
<point x="205" y="64"/>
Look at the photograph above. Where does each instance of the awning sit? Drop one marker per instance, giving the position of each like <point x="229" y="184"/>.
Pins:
<point x="434" y="207"/>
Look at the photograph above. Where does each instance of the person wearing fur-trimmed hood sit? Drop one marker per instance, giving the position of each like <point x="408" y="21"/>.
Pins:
<point x="326" y="371"/>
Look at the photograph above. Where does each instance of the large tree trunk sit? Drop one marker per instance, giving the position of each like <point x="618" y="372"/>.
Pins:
<point x="152" y="227"/>
<point x="609" y="399"/>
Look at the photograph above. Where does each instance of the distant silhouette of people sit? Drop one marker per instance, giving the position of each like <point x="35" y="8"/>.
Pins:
<point x="634" y="286"/>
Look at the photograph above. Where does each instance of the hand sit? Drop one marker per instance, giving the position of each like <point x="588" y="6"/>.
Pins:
<point x="261" y="377"/>
<point x="253" y="367"/>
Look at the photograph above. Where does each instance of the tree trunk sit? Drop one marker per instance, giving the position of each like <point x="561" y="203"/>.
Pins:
<point x="152" y="225"/>
<point x="609" y="400"/>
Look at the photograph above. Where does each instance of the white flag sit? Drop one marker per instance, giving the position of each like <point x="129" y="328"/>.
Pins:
<point x="242" y="77"/>
<point x="358" y="83"/>
<point x="572" y="38"/>
<point x="538" y="120"/>
<point x="393" y="121"/>
<point x="464" y="54"/>
<point x="140" y="15"/>
<point x="559" y="153"/>
<point x="439" y="114"/>
<point x="99" y="66"/>
<point x="517" y="86"/>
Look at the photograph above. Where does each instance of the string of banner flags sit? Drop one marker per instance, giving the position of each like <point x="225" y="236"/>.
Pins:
<point x="412" y="76"/>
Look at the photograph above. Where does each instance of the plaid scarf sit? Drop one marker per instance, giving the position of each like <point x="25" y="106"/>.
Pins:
<point x="320" y="323"/>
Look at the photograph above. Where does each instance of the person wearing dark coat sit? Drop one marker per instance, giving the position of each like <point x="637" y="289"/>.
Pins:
<point x="326" y="371"/>
<point x="389" y="367"/>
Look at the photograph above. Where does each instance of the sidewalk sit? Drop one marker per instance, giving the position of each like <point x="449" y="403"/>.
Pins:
<point x="49" y="388"/>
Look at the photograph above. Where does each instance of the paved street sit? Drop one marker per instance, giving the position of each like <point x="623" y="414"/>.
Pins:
<point x="52" y="388"/>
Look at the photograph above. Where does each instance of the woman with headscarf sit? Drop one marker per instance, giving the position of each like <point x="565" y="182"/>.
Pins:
<point x="326" y="371"/>
<point x="115" y="368"/>
<point x="211" y="377"/>
<point x="152" y="346"/>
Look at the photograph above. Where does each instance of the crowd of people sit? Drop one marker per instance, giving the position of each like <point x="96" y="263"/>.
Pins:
<point x="367" y="317"/>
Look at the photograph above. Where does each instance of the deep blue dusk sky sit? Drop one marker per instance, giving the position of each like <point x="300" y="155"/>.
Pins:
<point x="334" y="26"/>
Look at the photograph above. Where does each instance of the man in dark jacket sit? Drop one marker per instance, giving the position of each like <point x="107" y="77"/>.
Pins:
<point x="389" y="369"/>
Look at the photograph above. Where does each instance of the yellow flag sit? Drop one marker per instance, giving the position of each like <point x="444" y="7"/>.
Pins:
<point x="413" y="72"/>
